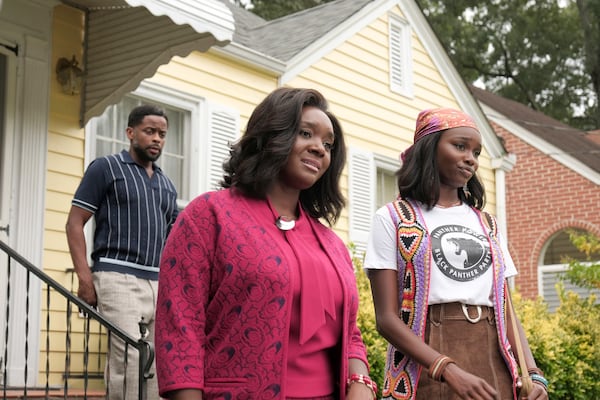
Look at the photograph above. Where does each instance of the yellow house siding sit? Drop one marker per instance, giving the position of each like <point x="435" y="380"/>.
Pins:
<point x="64" y="170"/>
<point x="217" y="79"/>
<point x="65" y="138"/>
<point x="355" y="79"/>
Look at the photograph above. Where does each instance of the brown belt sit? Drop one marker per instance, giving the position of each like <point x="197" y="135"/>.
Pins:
<point x="459" y="312"/>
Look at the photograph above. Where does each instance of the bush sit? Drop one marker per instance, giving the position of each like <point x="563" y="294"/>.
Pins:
<point x="566" y="344"/>
<point x="376" y="345"/>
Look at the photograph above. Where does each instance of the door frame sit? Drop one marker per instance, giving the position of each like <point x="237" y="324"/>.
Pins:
<point x="27" y="24"/>
<point x="9" y="81"/>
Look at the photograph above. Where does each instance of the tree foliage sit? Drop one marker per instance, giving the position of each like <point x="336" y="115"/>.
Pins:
<point x="272" y="9"/>
<point x="537" y="53"/>
<point x="586" y="274"/>
<point x="589" y="15"/>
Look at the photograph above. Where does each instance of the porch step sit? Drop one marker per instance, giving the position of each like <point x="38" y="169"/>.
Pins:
<point x="53" y="394"/>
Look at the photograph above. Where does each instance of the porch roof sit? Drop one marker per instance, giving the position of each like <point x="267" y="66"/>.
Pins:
<point x="127" y="40"/>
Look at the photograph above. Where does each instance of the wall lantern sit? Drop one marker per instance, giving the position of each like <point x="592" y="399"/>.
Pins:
<point x="69" y="75"/>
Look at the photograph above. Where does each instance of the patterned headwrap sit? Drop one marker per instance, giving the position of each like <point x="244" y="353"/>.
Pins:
<point x="439" y="119"/>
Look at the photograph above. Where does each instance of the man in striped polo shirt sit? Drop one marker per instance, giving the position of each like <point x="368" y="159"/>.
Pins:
<point x="134" y="206"/>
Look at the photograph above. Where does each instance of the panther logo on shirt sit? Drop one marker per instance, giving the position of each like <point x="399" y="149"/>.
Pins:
<point x="460" y="253"/>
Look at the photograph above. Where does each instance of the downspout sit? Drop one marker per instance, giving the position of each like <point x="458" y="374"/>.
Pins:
<point x="501" y="166"/>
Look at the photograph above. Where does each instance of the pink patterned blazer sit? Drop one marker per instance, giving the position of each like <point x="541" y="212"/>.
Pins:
<point x="225" y="297"/>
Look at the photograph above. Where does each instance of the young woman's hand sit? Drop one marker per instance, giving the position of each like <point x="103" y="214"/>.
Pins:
<point x="468" y="386"/>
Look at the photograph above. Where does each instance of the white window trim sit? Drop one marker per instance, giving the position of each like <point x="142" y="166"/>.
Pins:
<point x="549" y="269"/>
<point x="196" y="144"/>
<point x="403" y="46"/>
<point x="387" y="163"/>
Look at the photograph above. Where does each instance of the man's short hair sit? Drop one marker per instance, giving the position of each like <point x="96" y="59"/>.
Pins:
<point x="136" y="116"/>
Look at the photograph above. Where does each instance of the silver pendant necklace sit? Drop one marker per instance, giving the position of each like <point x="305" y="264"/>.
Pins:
<point x="285" y="224"/>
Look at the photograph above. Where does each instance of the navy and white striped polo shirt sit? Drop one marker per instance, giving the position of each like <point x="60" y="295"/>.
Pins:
<point x="133" y="214"/>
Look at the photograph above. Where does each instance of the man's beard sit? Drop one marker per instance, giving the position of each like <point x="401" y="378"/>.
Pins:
<point x="144" y="155"/>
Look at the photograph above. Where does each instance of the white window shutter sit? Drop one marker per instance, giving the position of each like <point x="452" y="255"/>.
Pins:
<point x="400" y="55"/>
<point x="362" y="174"/>
<point x="396" y="57"/>
<point x="224" y="128"/>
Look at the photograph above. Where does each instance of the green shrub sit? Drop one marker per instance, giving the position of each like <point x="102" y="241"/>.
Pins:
<point x="565" y="344"/>
<point x="376" y="345"/>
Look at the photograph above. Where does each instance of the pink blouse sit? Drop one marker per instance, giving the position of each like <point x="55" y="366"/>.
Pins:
<point x="316" y="325"/>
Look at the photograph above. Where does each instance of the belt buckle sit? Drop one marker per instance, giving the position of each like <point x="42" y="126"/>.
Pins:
<point x="468" y="317"/>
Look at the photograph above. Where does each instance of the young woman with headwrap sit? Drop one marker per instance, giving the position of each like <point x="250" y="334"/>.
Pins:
<point x="438" y="270"/>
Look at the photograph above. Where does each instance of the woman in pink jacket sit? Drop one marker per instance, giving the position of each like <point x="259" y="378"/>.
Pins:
<point x="257" y="299"/>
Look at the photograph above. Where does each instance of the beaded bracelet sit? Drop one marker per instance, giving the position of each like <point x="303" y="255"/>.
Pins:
<point x="437" y="367"/>
<point x="365" y="380"/>
<point x="539" y="379"/>
<point x="535" y="370"/>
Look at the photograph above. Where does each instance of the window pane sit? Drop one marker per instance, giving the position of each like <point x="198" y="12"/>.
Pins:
<point x="561" y="247"/>
<point x="554" y="258"/>
<point x="173" y="167"/>
<point x="104" y="148"/>
<point x="386" y="187"/>
<point x="122" y="111"/>
<point x="104" y="125"/>
<point x="172" y="160"/>
<point x="174" y="143"/>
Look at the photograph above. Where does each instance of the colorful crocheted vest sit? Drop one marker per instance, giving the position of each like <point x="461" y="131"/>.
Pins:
<point x="414" y="266"/>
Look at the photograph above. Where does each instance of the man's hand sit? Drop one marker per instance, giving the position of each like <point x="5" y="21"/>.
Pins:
<point x="86" y="290"/>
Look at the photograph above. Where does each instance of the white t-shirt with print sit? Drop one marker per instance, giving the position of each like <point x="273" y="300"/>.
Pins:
<point x="461" y="269"/>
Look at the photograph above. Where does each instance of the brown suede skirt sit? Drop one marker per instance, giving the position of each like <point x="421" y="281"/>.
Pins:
<point x="470" y="340"/>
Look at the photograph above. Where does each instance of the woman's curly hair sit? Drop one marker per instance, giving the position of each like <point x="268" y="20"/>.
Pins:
<point x="261" y="153"/>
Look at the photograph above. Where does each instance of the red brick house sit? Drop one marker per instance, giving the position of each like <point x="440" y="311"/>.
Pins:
<point x="554" y="186"/>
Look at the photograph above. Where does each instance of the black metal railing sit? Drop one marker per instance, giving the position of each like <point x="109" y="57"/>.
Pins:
<point x="89" y="315"/>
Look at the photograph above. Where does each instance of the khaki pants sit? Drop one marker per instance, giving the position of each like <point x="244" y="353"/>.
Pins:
<point x="124" y="299"/>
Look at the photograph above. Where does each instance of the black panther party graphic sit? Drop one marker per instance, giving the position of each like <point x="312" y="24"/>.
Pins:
<point x="460" y="253"/>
